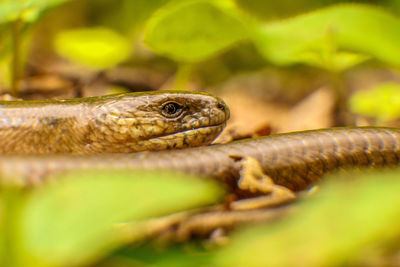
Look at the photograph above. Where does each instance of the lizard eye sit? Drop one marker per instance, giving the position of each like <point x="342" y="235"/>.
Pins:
<point x="171" y="110"/>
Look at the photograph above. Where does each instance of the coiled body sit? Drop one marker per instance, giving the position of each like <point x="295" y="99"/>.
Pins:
<point x="295" y="160"/>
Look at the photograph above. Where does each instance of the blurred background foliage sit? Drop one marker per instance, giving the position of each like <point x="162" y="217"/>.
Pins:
<point x="203" y="44"/>
<point x="278" y="51"/>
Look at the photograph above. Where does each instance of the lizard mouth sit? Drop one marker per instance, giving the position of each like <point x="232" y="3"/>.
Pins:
<point x="188" y="138"/>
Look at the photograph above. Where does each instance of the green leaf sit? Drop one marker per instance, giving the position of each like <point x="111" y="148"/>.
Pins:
<point x="347" y="220"/>
<point x="98" y="48"/>
<point x="73" y="221"/>
<point x="191" y="31"/>
<point x="27" y="10"/>
<point x="381" y="102"/>
<point x="174" y="255"/>
<point x="335" y="38"/>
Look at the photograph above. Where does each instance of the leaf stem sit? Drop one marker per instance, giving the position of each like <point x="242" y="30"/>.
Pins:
<point x="342" y="117"/>
<point x="16" y="57"/>
<point x="182" y="76"/>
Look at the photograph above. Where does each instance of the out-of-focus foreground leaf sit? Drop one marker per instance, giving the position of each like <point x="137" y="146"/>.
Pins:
<point x="174" y="255"/>
<point x="98" y="48"/>
<point x="191" y="31"/>
<point x="381" y="101"/>
<point x="328" y="37"/>
<point x="342" y="224"/>
<point x="73" y="222"/>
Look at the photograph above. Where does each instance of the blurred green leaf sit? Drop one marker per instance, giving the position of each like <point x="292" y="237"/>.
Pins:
<point x="11" y="201"/>
<point x="128" y="16"/>
<point x="72" y="222"/>
<point x="335" y="38"/>
<point x="340" y="225"/>
<point x="191" y="31"/>
<point x="381" y="101"/>
<point x="174" y="255"/>
<point x="27" y="10"/>
<point x="98" y="48"/>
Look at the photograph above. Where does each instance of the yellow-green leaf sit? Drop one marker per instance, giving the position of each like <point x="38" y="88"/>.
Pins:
<point x="194" y="30"/>
<point x="381" y="101"/>
<point x="342" y="224"/>
<point x="324" y="36"/>
<point x="74" y="221"/>
<point x="27" y="10"/>
<point x="98" y="48"/>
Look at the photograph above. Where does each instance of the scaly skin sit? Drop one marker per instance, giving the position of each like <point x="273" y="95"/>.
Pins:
<point x="110" y="124"/>
<point x="295" y="160"/>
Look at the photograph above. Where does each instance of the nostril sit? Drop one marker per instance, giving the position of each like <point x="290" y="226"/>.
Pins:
<point x="221" y="106"/>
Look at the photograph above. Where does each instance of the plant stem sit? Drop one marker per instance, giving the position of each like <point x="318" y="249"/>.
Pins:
<point x="16" y="57"/>
<point x="342" y="116"/>
<point x="182" y="76"/>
